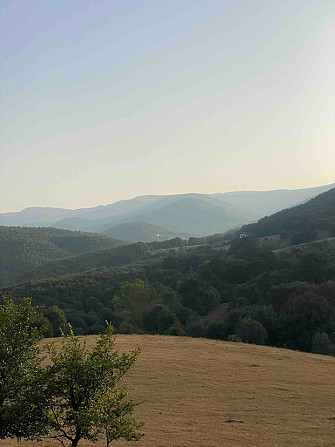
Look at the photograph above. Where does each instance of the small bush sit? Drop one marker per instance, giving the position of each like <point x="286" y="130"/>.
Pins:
<point x="177" y="329"/>
<point x="235" y="338"/>
<point x="195" y="329"/>
<point x="128" y="328"/>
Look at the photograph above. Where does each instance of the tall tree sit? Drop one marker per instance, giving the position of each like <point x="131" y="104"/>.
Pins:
<point x="134" y="300"/>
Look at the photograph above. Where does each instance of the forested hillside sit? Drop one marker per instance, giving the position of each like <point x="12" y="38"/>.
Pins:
<point x="124" y="254"/>
<point x="301" y="223"/>
<point x="217" y="286"/>
<point x="23" y="249"/>
<point x="142" y="231"/>
<point x="285" y="299"/>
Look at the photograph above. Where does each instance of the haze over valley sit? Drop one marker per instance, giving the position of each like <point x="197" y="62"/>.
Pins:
<point x="147" y="218"/>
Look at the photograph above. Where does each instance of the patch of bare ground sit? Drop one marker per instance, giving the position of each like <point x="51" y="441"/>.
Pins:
<point x="208" y="393"/>
<point x="218" y="314"/>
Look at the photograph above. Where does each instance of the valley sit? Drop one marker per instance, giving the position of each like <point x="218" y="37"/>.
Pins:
<point x="279" y="275"/>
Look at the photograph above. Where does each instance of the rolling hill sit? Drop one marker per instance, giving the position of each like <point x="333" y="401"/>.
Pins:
<point x="228" y="210"/>
<point x="115" y="256"/>
<point x="316" y="215"/>
<point x="198" y="392"/>
<point x="263" y="203"/>
<point x="23" y="249"/>
<point x="197" y="216"/>
<point x="34" y="216"/>
<point x="142" y="231"/>
<point x="191" y="214"/>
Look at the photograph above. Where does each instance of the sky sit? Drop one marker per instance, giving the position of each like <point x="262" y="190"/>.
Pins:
<point x="104" y="100"/>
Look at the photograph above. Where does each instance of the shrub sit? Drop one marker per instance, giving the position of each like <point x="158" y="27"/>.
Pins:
<point x="321" y="344"/>
<point x="76" y="397"/>
<point x="82" y="396"/>
<point x="234" y="338"/>
<point x="252" y="331"/>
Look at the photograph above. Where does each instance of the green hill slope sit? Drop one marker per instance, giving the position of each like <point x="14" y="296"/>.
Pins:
<point x="142" y="231"/>
<point x="124" y="254"/>
<point x="318" y="214"/>
<point x="23" y="249"/>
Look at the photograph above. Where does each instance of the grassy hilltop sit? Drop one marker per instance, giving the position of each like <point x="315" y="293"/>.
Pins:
<point x="209" y="393"/>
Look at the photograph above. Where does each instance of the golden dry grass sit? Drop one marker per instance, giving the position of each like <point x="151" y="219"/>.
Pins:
<point x="208" y="393"/>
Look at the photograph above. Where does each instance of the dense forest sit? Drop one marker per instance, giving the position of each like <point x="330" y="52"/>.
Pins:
<point x="23" y="249"/>
<point x="299" y="224"/>
<point x="255" y="288"/>
<point x="119" y="255"/>
<point x="284" y="299"/>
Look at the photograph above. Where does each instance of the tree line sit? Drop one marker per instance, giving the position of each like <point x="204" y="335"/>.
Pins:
<point x="284" y="299"/>
<point x="23" y="249"/>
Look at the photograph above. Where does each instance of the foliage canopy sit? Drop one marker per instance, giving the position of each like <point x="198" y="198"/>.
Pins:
<point x="79" y="395"/>
<point x="20" y="413"/>
<point x="82" y="395"/>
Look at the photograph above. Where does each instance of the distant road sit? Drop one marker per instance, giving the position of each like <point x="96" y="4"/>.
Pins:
<point x="301" y="245"/>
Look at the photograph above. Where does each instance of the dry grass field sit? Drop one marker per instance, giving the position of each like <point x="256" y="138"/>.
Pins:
<point x="208" y="393"/>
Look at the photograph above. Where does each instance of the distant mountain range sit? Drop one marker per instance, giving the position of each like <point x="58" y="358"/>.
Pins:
<point x="159" y="217"/>
<point x="34" y="253"/>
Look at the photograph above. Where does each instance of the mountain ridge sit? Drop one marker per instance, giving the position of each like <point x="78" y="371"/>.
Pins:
<point x="247" y="206"/>
<point x="305" y="220"/>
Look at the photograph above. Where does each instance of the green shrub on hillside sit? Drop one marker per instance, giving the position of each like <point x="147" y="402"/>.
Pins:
<point x="252" y="331"/>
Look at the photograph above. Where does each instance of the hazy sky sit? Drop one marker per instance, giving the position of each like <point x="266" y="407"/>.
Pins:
<point x="104" y="100"/>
